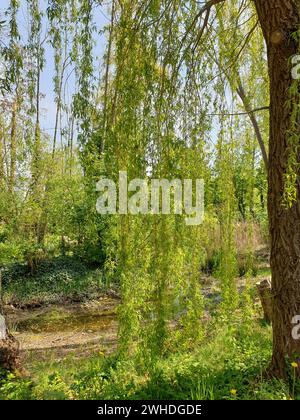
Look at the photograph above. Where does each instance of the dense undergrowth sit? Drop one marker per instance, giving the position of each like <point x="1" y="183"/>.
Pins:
<point x="66" y="278"/>
<point x="57" y="279"/>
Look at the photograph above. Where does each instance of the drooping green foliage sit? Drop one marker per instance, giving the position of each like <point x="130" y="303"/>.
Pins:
<point x="168" y="100"/>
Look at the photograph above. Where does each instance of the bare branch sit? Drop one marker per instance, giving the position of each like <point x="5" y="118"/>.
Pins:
<point x="241" y="92"/>
<point x="233" y="114"/>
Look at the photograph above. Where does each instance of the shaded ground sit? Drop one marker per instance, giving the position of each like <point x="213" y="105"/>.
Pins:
<point x="56" y="331"/>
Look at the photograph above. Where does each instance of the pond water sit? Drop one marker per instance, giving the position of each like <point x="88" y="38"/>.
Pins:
<point x="66" y="328"/>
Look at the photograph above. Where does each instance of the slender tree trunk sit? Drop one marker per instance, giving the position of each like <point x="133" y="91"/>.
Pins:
<point x="36" y="164"/>
<point x="13" y="147"/>
<point x="37" y="187"/>
<point x="59" y="103"/>
<point x="56" y="121"/>
<point x="70" y="142"/>
<point x="106" y="77"/>
<point x="2" y="171"/>
<point x="279" y="19"/>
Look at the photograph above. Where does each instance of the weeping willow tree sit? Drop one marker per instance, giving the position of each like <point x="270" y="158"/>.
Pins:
<point x="146" y="139"/>
<point x="180" y="38"/>
<point x="183" y="86"/>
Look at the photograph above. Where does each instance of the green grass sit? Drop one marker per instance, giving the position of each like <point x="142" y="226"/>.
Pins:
<point x="232" y="360"/>
<point x="264" y="272"/>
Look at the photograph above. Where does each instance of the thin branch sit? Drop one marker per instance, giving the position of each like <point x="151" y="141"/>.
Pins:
<point x="262" y="108"/>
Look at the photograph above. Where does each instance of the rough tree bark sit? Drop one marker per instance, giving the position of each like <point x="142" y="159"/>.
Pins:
<point x="278" y="20"/>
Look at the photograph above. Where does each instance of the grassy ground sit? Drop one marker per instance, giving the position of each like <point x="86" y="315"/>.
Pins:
<point x="230" y="365"/>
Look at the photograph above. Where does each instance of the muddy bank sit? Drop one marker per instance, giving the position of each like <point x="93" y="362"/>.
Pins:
<point x="58" y="330"/>
<point x="60" y="299"/>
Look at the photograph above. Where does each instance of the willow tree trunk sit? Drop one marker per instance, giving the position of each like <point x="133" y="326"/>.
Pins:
<point x="278" y="20"/>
